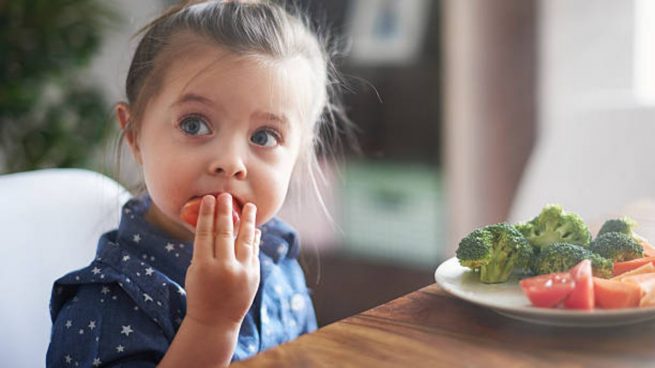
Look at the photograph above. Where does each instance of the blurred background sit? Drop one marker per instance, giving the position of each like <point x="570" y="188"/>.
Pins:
<point x="469" y="112"/>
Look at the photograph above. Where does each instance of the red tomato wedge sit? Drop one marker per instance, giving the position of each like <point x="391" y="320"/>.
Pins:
<point x="191" y="210"/>
<point x="614" y="294"/>
<point x="625" y="266"/>
<point x="548" y="290"/>
<point x="582" y="296"/>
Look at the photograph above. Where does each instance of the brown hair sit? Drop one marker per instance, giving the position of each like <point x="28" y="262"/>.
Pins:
<point x="246" y="28"/>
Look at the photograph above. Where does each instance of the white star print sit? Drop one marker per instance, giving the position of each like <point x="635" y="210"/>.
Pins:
<point x="95" y="270"/>
<point x="96" y="362"/>
<point x="149" y="271"/>
<point x="92" y="325"/>
<point x="170" y="247"/>
<point x="105" y="290"/>
<point x="68" y="358"/>
<point x="126" y="258"/>
<point x="297" y="303"/>
<point x="281" y="249"/>
<point x="127" y="330"/>
<point x="136" y="238"/>
<point x="69" y="323"/>
<point x="81" y="332"/>
<point x="147" y="298"/>
<point x="120" y="349"/>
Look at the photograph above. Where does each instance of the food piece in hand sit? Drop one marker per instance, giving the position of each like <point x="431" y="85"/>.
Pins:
<point x="582" y="296"/>
<point x="495" y="251"/>
<point x="191" y="210"/>
<point x="614" y="294"/>
<point x="548" y="291"/>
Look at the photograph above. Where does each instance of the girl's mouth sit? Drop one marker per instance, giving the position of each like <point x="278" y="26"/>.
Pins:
<point x="191" y="210"/>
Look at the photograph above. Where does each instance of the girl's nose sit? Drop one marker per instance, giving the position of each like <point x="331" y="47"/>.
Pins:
<point x="230" y="165"/>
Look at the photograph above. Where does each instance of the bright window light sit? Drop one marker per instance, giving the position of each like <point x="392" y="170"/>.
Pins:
<point x="644" y="72"/>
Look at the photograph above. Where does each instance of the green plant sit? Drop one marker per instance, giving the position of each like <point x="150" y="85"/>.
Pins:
<point x="49" y="115"/>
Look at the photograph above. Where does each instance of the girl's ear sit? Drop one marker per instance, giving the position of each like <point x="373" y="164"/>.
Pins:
<point x="125" y="121"/>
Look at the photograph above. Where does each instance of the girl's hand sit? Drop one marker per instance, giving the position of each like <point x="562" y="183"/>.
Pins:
<point x="224" y="274"/>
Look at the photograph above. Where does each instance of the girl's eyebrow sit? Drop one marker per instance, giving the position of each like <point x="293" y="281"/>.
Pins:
<point x="192" y="97"/>
<point x="282" y="119"/>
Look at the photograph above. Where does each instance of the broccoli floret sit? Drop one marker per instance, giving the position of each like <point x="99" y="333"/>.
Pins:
<point x="560" y="257"/>
<point x="495" y="251"/>
<point x="617" y="247"/>
<point x="623" y="225"/>
<point x="554" y="225"/>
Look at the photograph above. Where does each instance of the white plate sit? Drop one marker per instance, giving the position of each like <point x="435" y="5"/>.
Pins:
<point x="508" y="299"/>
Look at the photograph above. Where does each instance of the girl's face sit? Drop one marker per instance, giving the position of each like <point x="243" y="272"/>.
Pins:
<point x="220" y="123"/>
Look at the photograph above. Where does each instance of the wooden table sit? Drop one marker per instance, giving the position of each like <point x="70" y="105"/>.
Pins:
<point x="430" y="328"/>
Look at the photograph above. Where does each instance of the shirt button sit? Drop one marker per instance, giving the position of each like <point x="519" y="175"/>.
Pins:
<point x="297" y="302"/>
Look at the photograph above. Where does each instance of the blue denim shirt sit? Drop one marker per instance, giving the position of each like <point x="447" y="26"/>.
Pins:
<point x="126" y="306"/>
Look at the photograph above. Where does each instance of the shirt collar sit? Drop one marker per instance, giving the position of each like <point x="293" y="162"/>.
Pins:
<point x="173" y="257"/>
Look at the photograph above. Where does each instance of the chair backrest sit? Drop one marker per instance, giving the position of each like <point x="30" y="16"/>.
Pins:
<point x="50" y="220"/>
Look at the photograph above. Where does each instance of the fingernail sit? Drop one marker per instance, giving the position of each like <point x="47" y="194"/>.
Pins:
<point x="252" y="213"/>
<point x="227" y="198"/>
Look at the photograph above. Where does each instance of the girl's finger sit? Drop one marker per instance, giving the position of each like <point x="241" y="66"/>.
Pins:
<point x="246" y="239"/>
<point x="203" y="244"/>
<point x="224" y="229"/>
<point x="255" y="249"/>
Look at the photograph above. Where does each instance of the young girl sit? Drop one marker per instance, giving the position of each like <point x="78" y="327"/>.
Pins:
<point x="224" y="102"/>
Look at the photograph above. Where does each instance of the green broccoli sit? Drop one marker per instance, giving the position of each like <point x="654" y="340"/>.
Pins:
<point x="561" y="257"/>
<point x="617" y="247"/>
<point x="495" y="251"/>
<point x="554" y="225"/>
<point x="623" y="225"/>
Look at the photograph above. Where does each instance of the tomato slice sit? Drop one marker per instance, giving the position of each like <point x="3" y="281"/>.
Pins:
<point x="548" y="290"/>
<point x="582" y="296"/>
<point x="191" y="210"/>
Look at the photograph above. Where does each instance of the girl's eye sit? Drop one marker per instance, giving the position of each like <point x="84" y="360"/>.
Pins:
<point x="194" y="125"/>
<point x="265" y="138"/>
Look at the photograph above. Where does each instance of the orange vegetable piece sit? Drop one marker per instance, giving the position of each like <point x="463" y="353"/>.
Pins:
<point x="649" y="249"/>
<point x="645" y="268"/>
<point x="622" y="267"/>
<point x="614" y="294"/>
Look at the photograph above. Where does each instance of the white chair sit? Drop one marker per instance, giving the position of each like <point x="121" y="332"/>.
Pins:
<point x="50" y="220"/>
